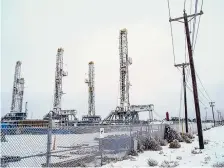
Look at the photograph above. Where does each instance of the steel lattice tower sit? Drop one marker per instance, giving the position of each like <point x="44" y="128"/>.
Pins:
<point x="18" y="90"/>
<point x="124" y="74"/>
<point x="91" y="89"/>
<point x="16" y="113"/>
<point x="59" y="74"/>
<point x="126" y="113"/>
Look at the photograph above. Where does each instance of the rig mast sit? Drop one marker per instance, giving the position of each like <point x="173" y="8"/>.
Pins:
<point x="91" y="89"/>
<point x="65" y="117"/>
<point x="126" y="113"/>
<point x="91" y="118"/>
<point x="59" y="74"/>
<point x="125" y="61"/>
<point x="17" y="96"/>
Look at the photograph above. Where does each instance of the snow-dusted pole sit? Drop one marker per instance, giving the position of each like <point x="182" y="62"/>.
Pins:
<point x="49" y="135"/>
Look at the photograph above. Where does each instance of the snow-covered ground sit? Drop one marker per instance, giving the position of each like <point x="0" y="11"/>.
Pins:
<point x="213" y="153"/>
<point x="27" y="145"/>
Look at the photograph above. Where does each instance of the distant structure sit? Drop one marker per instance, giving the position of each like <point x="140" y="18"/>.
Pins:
<point x="91" y="89"/>
<point x="26" y="108"/>
<point x="91" y="118"/>
<point x="16" y="112"/>
<point x="59" y="74"/>
<point x="126" y="113"/>
<point x="64" y="117"/>
<point x="125" y="61"/>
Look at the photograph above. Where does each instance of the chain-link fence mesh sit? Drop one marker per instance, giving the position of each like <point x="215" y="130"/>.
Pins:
<point x="24" y="146"/>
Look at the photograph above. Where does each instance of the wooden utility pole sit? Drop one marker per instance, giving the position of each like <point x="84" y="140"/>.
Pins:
<point x="212" y="105"/>
<point x="183" y="65"/>
<point x="193" y="76"/>
<point x="206" y="114"/>
<point x="219" y="117"/>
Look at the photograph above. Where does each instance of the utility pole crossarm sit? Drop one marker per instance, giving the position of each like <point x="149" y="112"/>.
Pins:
<point x="193" y="15"/>
<point x="213" y="115"/>
<point x="182" y="65"/>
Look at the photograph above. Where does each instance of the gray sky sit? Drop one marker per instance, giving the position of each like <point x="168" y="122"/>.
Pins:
<point x="32" y="30"/>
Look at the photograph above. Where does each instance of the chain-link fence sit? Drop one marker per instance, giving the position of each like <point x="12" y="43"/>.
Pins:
<point x="192" y="126"/>
<point x="47" y="146"/>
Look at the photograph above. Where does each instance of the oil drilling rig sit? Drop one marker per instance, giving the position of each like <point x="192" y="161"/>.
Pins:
<point x="125" y="113"/>
<point x="91" y="118"/>
<point x="16" y="112"/>
<point x="64" y="117"/>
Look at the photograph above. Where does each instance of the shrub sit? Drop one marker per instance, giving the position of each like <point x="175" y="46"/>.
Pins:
<point x="191" y="136"/>
<point x="179" y="158"/>
<point x="163" y="142"/>
<point x="175" y="144"/>
<point x="160" y="152"/>
<point x="152" y="144"/>
<point x="206" y="142"/>
<point x="152" y="162"/>
<point x="141" y="144"/>
<point x="169" y="164"/>
<point x="187" y="137"/>
<point x="188" y="140"/>
<point x="173" y="134"/>
<point x="208" y="158"/>
<point x="218" y="164"/>
<point x="148" y="143"/>
<point x="195" y="151"/>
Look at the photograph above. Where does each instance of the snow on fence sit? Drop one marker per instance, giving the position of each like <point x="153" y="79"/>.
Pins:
<point x="192" y="126"/>
<point x="24" y="146"/>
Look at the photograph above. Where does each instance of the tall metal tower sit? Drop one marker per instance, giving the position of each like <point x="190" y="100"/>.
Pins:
<point x="59" y="74"/>
<point x="91" y="89"/>
<point x="125" y="61"/>
<point x="17" y="96"/>
<point x="65" y="117"/>
<point x="18" y="89"/>
<point x="126" y="113"/>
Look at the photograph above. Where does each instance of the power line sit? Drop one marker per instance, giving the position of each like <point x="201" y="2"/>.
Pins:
<point x="171" y="31"/>
<point x="192" y="92"/>
<point x="196" y="35"/>
<point x="195" y="11"/>
<point x="200" y="92"/>
<point x="194" y="42"/>
<point x="190" y="88"/>
<point x="203" y="86"/>
<point x="190" y="13"/>
<point x="181" y="90"/>
<point x="184" y="4"/>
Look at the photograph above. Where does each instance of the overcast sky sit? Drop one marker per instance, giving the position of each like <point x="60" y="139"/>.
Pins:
<point x="32" y="30"/>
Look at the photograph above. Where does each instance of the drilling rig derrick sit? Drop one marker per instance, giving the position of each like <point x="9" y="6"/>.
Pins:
<point x="65" y="117"/>
<point x="125" y="113"/>
<point x="91" y="89"/>
<point x="91" y="118"/>
<point x="16" y="112"/>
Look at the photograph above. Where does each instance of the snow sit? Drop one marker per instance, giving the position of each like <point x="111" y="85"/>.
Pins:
<point x="27" y="145"/>
<point x="213" y="153"/>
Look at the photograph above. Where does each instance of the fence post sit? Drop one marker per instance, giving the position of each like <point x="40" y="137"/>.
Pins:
<point x="101" y="152"/>
<point x="101" y="145"/>
<point x="130" y="137"/>
<point x="49" y="135"/>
